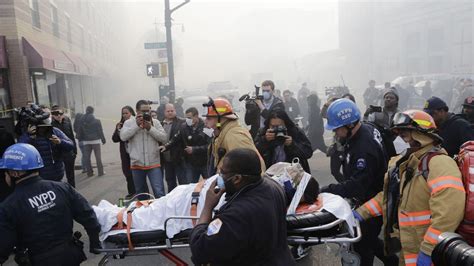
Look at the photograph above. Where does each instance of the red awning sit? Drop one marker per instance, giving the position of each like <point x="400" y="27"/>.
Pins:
<point x="79" y="64"/>
<point x="3" y="53"/>
<point x="43" y="56"/>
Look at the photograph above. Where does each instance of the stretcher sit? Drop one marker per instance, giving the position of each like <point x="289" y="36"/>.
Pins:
<point x="304" y="231"/>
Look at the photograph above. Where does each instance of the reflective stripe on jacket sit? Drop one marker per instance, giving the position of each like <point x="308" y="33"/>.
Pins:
<point x="426" y="208"/>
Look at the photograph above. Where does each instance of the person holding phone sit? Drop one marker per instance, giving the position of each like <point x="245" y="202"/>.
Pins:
<point x="51" y="143"/>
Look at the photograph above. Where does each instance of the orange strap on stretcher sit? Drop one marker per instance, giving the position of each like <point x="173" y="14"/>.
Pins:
<point x="128" y="227"/>
<point x="195" y="199"/>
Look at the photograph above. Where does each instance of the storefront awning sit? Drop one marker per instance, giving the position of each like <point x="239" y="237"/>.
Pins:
<point x="79" y="65"/>
<point x="43" y="56"/>
<point x="3" y="53"/>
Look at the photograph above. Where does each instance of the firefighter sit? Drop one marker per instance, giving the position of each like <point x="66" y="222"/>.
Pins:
<point x="423" y="193"/>
<point x="38" y="216"/>
<point x="227" y="133"/>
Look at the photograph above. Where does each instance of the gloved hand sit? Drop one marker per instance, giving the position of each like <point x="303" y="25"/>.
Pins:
<point x="423" y="260"/>
<point x="357" y="216"/>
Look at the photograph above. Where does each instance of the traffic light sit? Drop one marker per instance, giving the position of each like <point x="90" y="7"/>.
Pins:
<point x="152" y="70"/>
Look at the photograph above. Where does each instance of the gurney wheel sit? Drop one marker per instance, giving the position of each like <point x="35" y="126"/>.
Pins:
<point x="350" y="258"/>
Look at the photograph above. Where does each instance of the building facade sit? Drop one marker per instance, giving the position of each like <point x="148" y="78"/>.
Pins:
<point x="387" y="39"/>
<point x="54" y="52"/>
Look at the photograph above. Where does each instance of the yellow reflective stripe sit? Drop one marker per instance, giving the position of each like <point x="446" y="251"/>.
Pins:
<point x="422" y="122"/>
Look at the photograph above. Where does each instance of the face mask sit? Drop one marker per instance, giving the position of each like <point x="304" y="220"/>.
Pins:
<point x="220" y="182"/>
<point x="208" y="131"/>
<point x="230" y="188"/>
<point x="189" y="121"/>
<point x="267" y="95"/>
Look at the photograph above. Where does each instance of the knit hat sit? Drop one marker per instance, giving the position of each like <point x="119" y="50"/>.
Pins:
<point x="392" y="91"/>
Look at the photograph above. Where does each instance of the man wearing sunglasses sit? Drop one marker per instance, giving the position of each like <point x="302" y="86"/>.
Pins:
<point x="63" y="122"/>
<point x="423" y="192"/>
<point x="250" y="228"/>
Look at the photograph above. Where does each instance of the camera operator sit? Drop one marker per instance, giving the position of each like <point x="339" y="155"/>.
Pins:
<point x="282" y="141"/>
<point x="63" y="122"/>
<point x="51" y="142"/>
<point x="258" y="111"/>
<point x="382" y="116"/>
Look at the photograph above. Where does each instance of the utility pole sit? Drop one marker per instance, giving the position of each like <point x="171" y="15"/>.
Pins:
<point x="169" y="45"/>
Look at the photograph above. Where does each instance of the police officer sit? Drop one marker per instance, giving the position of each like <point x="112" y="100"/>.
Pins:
<point x="250" y="229"/>
<point x="39" y="214"/>
<point x="364" y="166"/>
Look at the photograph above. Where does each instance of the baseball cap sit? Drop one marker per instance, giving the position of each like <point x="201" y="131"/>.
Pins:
<point x="434" y="103"/>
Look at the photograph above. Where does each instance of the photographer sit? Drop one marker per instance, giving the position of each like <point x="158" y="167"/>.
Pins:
<point x="258" y="111"/>
<point x="382" y="116"/>
<point x="143" y="135"/>
<point x="282" y="141"/>
<point x="51" y="143"/>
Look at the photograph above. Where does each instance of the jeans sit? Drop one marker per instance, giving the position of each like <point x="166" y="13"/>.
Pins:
<point x="156" y="181"/>
<point x="173" y="170"/>
<point x="193" y="173"/>
<point x="87" y="154"/>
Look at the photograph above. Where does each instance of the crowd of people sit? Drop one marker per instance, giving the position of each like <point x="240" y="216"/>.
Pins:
<point x="388" y="187"/>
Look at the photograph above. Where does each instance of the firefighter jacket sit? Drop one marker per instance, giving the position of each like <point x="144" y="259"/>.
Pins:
<point x="424" y="208"/>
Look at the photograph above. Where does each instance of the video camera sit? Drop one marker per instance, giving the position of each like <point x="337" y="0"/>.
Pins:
<point x="249" y="99"/>
<point x="32" y="115"/>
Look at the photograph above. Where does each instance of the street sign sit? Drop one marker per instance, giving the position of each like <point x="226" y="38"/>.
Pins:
<point x="152" y="70"/>
<point x="162" y="54"/>
<point x="155" y="45"/>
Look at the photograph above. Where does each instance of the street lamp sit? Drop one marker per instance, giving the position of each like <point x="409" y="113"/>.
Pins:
<point x="169" y="45"/>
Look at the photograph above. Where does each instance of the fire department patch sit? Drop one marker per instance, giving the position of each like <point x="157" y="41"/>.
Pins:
<point x="361" y="164"/>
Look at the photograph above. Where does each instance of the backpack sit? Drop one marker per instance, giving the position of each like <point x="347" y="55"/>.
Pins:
<point x="465" y="162"/>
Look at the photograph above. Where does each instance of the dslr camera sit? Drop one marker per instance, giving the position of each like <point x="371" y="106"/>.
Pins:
<point x="147" y="116"/>
<point x="280" y="133"/>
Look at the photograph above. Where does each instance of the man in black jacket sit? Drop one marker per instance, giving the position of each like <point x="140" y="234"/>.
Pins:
<point x="454" y="129"/>
<point x="38" y="216"/>
<point x="195" y="143"/>
<point x="256" y="113"/>
<point x="93" y="136"/>
<point x="172" y="160"/>
<point x="292" y="107"/>
<point x="64" y="123"/>
<point x="250" y="229"/>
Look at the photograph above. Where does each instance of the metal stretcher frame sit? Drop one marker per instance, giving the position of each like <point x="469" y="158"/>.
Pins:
<point x="149" y="250"/>
<point x="292" y="240"/>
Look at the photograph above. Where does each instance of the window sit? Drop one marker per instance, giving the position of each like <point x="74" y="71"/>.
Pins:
<point x="68" y="25"/>
<point x="54" y="20"/>
<point x="35" y="14"/>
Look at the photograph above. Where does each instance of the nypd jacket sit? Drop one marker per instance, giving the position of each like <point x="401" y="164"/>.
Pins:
<point x="250" y="229"/>
<point x="51" y="154"/>
<point x="39" y="216"/>
<point x="364" y="166"/>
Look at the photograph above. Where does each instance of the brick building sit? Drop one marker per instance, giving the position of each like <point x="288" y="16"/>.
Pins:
<point x="55" y="52"/>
